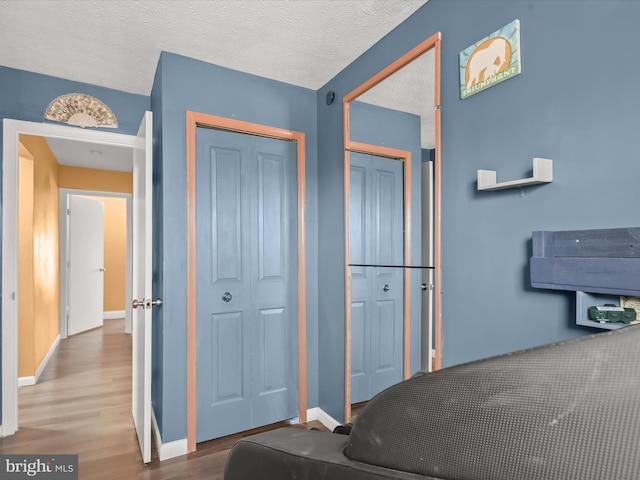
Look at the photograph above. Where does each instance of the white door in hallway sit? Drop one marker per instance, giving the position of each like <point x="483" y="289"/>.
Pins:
<point x="86" y="264"/>
<point x="142" y="245"/>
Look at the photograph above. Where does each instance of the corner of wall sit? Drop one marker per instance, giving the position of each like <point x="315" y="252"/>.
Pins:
<point x="169" y="450"/>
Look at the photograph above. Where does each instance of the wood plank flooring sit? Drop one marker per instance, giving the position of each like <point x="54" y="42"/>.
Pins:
<point x="82" y="405"/>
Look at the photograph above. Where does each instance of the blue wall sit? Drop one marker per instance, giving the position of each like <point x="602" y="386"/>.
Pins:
<point x="26" y="96"/>
<point x="575" y="102"/>
<point x="185" y="84"/>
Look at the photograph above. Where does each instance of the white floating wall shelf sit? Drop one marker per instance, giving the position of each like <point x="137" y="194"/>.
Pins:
<point x="542" y="173"/>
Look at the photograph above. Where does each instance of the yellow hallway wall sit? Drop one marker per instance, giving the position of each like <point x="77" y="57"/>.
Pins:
<point x="26" y="363"/>
<point x="94" y="179"/>
<point x="46" y="275"/>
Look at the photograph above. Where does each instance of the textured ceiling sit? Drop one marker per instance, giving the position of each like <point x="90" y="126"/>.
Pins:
<point x="117" y="43"/>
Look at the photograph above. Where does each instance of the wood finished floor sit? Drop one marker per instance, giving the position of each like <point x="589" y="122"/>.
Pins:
<point x="82" y="405"/>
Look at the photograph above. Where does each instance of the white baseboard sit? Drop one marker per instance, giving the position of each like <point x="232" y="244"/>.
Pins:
<point x="113" y="314"/>
<point x="180" y="447"/>
<point x="312" y="414"/>
<point x="167" y="450"/>
<point x="47" y="357"/>
<point x="23" y="381"/>
<point x="317" y="414"/>
<point x="327" y="420"/>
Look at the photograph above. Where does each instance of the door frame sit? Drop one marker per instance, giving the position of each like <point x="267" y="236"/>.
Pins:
<point x="202" y="120"/>
<point x="433" y="42"/>
<point x="12" y="129"/>
<point x="65" y="193"/>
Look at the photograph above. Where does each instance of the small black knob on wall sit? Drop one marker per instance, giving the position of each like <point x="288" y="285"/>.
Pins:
<point x="330" y="96"/>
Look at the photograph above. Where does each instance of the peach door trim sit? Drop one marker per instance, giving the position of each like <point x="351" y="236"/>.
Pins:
<point x="194" y="120"/>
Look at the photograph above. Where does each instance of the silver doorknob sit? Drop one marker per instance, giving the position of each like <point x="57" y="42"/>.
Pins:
<point x="137" y="303"/>
<point x="226" y="297"/>
<point x="103" y="269"/>
<point x="153" y="303"/>
<point x="386" y="287"/>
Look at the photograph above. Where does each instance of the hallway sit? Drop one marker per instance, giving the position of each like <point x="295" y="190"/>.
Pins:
<point x="82" y="404"/>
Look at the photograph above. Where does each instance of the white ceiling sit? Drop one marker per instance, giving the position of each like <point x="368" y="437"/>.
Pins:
<point x="117" y="43"/>
<point x="89" y="155"/>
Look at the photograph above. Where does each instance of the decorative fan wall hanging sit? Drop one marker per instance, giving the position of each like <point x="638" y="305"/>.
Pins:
<point x="81" y="110"/>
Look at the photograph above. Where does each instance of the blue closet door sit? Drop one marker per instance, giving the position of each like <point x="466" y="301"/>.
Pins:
<point x="376" y="238"/>
<point x="246" y="282"/>
<point x="360" y="253"/>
